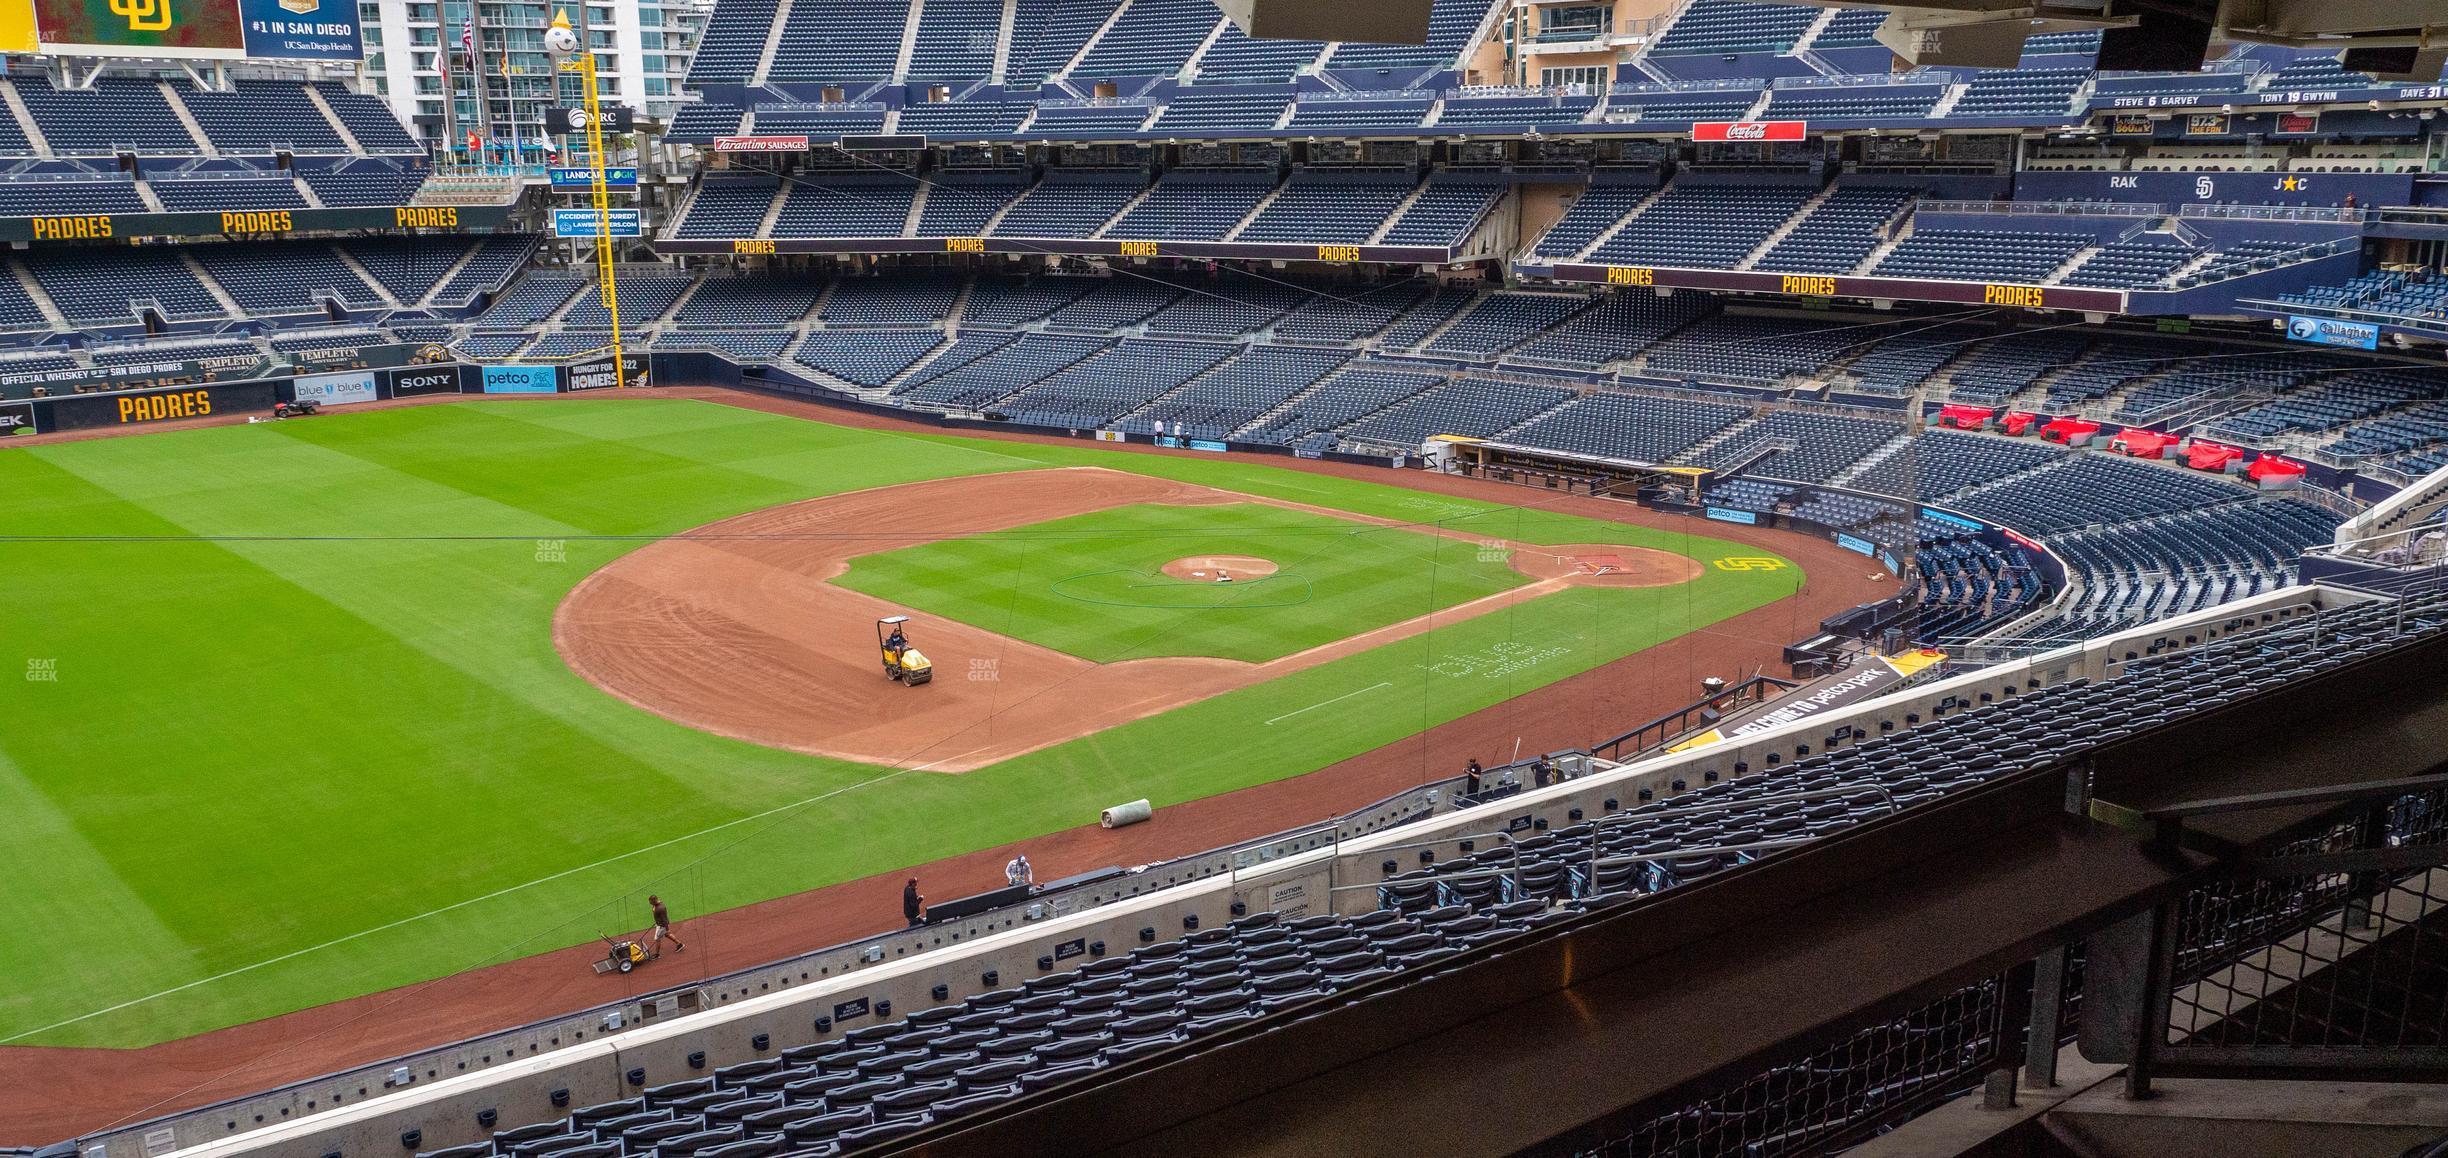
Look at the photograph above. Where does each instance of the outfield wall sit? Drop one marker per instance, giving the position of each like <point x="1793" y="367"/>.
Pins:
<point x="587" y="1059"/>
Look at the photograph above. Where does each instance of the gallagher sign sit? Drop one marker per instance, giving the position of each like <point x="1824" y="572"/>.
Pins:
<point x="1749" y="130"/>
<point x="2332" y="332"/>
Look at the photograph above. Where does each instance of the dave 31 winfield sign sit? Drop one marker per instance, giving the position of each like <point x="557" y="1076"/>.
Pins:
<point x="1748" y="130"/>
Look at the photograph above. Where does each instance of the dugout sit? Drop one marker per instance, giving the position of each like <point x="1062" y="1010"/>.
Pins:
<point x="1562" y="470"/>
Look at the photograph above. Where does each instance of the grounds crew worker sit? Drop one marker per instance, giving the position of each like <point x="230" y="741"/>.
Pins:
<point x="662" y="926"/>
<point x="913" y="906"/>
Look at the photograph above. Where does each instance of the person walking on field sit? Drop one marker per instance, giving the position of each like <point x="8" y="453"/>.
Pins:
<point x="913" y="906"/>
<point x="662" y="926"/>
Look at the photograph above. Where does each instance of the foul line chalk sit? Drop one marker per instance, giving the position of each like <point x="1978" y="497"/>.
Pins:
<point x="1323" y="703"/>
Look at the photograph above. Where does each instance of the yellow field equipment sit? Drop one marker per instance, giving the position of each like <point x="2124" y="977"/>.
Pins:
<point x="903" y="663"/>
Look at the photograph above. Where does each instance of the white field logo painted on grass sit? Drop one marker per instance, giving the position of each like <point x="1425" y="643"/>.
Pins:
<point x="985" y="671"/>
<point x="1496" y="661"/>
<point x="552" y="551"/>
<point x="1440" y="510"/>
<point x="42" y="671"/>
<point x="1494" y="551"/>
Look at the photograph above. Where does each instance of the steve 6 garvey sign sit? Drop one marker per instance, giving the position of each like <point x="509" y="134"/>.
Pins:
<point x="1749" y="130"/>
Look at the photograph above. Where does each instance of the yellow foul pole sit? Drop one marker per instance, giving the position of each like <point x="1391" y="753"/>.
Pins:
<point x="584" y="64"/>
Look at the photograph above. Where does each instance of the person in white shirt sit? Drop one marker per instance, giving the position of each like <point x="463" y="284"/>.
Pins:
<point x="1018" y="871"/>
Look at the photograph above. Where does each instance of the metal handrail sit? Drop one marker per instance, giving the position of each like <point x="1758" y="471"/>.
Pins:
<point x="1510" y="847"/>
<point x="2047" y="208"/>
<point x="2329" y="214"/>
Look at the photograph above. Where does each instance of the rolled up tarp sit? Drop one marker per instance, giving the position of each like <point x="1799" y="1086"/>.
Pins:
<point x="1131" y="813"/>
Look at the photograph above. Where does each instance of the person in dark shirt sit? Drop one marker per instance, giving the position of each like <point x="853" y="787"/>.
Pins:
<point x="1470" y="778"/>
<point x="662" y="926"/>
<point x="913" y="906"/>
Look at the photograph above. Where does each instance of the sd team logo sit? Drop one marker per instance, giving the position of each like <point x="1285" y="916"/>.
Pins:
<point x="143" y="15"/>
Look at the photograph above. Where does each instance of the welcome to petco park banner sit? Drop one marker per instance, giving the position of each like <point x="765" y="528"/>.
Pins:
<point x="183" y="29"/>
<point x="1874" y="677"/>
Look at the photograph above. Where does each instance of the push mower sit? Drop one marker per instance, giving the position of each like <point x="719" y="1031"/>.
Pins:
<point x="624" y="956"/>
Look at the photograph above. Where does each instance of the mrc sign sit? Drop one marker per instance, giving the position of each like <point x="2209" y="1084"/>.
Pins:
<point x="1747" y="131"/>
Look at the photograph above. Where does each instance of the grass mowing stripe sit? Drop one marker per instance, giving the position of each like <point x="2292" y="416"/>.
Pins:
<point x="1090" y="585"/>
<point x="347" y="762"/>
<point x="66" y="930"/>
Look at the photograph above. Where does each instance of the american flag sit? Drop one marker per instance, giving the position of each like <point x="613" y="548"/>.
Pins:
<point x="467" y="38"/>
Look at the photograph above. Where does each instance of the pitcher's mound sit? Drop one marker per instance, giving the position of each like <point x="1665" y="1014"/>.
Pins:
<point x="1213" y="568"/>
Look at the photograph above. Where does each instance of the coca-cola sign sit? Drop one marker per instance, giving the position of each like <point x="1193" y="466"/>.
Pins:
<point x="1748" y="130"/>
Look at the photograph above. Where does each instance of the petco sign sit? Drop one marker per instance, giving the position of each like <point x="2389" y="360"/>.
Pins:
<point x="1748" y="130"/>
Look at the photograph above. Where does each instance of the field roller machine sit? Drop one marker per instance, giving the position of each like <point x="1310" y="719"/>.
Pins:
<point x="903" y="664"/>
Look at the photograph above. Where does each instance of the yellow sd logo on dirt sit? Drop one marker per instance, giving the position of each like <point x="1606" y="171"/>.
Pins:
<point x="1748" y="563"/>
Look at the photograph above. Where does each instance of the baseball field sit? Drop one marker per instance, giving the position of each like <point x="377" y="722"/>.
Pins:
<point x="315" y="709"/>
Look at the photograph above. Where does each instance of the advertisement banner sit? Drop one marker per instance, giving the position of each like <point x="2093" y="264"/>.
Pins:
<point x="336" y="389"/>
<point x="522" y="380"/>
<point x="1738" y="131"/>
<point x="1725" y="515"/>
<point x="2332" y="332"/>
<point x="596" y="373"/>
<point x="106" y="377"/>
<point x="582" y="223"/>
<point x="616" y="119"/>
<point x="1110" y="436"/>
<point x="1863" y="682"/>
<point x="249" y="222"/>
<point x="300" y="29"/>
<point x="1856" y="545"/>
<point x="16" y="418"/>
<point x="419" y="381"/>
<point x="2297" y="124"/>
<point x="760" y="144"/>
<point x="1208" y="445"/>
<point x="1952" y="520"/>
<point x="2133" y="126"/>
<point x="567" y="180"/>
<point x="2206" y="125"/>
<point x="137" y="408"/>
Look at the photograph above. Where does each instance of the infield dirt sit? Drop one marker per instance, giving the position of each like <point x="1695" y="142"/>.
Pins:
<point x="736" y="629"/>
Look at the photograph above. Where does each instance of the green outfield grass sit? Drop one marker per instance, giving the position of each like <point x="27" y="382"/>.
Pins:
<point x="292" y="727"/>
<point x="1093" y="585"/>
